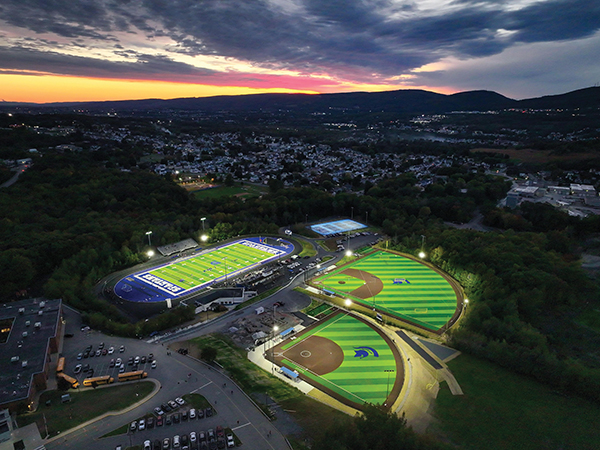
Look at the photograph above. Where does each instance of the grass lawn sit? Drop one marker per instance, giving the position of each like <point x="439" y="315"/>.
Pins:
<point x="84" y="405"/>
<point x="312" y="416"/>
<point x="247" y="190"/>
<point x="502" y="411"/>
<point x="307" y="248"/>
<point x="258" y="297"/>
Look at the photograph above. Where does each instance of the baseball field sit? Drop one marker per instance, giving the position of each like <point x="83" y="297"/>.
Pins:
<point x="345" y="357"/>
<point x="398" y="286"/>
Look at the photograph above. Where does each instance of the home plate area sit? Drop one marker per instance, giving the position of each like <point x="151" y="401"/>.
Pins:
<point x="317" y="354"/>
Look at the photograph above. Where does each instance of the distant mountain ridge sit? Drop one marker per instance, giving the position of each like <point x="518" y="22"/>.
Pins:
<point x="401" y="101"/>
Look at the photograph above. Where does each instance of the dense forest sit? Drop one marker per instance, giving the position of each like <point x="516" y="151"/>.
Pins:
<point x="70" y="220"/>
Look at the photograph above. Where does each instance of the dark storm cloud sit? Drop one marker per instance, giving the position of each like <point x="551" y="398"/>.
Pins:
<point x="341" y="37"/>
<point x="143" y="66"/>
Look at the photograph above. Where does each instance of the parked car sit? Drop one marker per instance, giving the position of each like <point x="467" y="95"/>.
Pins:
<point x="111" y="350"/>
<point x="192" y="414"/>
<point x="133" y="426"/>
<point x="159" y="421"/>
<point x="158" y="411"/>
<point x="77" y="369"/>
<point x="173" y="405"/>
<point x="180" y="401"/>
<point x="176" y="417"/>
<point x="208" y="412"/>
<point x="168" y="420"/>
<point x="153" y="365"/>
<point x="150" y="422"/>
<point x="112" y="363"/>
<point x="142" y="424"/>
<point x="166" y="443"/>
<point x="121" y="349"/>
<point x="147" y="445"/>
<point x="230" y="441"/>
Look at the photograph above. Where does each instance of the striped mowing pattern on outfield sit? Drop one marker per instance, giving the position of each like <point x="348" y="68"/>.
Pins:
<point x="363" y="378"/>
<point x="202" y="269"/>
<point x="411" y="290"/>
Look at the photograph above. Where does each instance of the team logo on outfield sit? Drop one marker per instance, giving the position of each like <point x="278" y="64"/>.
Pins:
<point x="401" y="281"/>
<point x="363" y="352"/>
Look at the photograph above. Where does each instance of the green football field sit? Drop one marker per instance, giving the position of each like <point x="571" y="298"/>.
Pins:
<point x="208" y="266"/>
<point x="411" y="291"/>
<point x="358" y="379"/>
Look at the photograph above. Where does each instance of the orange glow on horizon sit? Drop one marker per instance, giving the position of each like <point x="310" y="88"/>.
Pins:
<point x="49" y="89"/>
<point x="53" y="88"/>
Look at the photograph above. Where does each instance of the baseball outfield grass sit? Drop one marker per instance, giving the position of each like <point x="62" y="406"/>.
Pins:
<point x="368" y="371"/>
<point x="408" y="289"/>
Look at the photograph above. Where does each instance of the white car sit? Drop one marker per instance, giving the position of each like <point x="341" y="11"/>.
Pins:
<point x="153" y="365"/>
<point x="77" y="368"/>
<point x="180" y="401"/>
<point x="193" y="437"/>
<point x="192" y="413"/>
<point x="142" y="424"/>
<point x="147" y="445"/>
<point x="111" y="350"/>
<point x="230" y="441"/>
<point x="176" y="442"/>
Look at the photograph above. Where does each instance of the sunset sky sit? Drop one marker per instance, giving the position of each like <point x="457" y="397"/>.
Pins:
<point x="80" y="50"/>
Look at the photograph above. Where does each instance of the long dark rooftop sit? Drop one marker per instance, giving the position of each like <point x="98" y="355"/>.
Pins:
<point x="34" y="323"/>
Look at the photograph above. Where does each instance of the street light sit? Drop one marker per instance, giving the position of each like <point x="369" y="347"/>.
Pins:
<point x="149" y="233"/>
<point x="150" y="253"/>
<point x="204" y="237"/>
<point x="348" y="252"/>
<point x="348" y="303"/>
<point x="422" y="252"/>
<point x="422" y="255"/>
<point x="203" y="219"/>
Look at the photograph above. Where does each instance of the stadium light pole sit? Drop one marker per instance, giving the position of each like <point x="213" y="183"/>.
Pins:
<point x="352" y="213"/>
<point x="275" y="328"/>
<point x="149" y="233"/>
<point x="203" y="219"/>
<point x="389" y="371"/>
<point x="367" y="218"/>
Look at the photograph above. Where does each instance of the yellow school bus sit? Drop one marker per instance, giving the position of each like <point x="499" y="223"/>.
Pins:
<point x="106" y="379"/>
<point x="60" y="367"/>
<point x="137" y="375"/>
<point x="72" y="381"/>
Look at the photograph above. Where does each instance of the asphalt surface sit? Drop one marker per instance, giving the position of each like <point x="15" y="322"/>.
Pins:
<point x="179" y="375"/>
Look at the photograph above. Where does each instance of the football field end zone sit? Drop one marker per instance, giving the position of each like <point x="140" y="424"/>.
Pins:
<point x="337" y="392"/>
<point x="158" y="290"/>
<point x="394" y="315"/>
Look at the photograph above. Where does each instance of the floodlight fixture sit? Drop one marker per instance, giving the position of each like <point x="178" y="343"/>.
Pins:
<point x="422" y="255"/>
<point x="348" y="252"/>
<point x="348" y="302"/>
<point x="204" y="238"/>
<point x="150" y="253"/>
